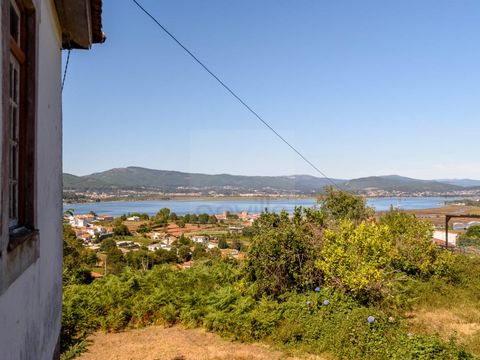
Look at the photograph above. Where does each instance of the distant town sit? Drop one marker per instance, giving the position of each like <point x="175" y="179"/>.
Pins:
<point x="134" y="183"/>
<point x="86" y="196"/>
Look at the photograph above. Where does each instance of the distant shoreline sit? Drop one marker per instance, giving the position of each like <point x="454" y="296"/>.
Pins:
<point x="196" y="198"/>
<point x="246" y="198"/>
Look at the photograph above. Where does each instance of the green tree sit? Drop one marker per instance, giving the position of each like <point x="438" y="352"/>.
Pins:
<point x="140" y="260"/>
<point x="341" y="205"/>
<point x="249" y="231"/>
<point x="107" y="245"/>
<point x="184" y="253"/>
<point x="115" y="261"/>
<point x="163" y="215"/>
<point x="143" y="229"/>
<point x="231" y="216"/>
<point x="470" y="238"/>
<point x="68" y="212"/>
<point x="76" y="259"/>
<point x="183" y="240"/>
<point x="180" y="223"/>
<point x="222" y="243"/>
<point x="237" y="244"/>
<point x="203" y="218"/>
<point x="414" y="252"/>
<point x="473" y="232"/>
<point x="282" y="257"/>
<point x="199" y="252"/>
<point x="212" y="219"/>
<point x="164" y="256"/>
<point x="121" y="230"/>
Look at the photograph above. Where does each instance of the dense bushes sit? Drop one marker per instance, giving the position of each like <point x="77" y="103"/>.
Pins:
<point x="470" y="238"/>
<point x="355" y="260"/>
<point x="310" y="281"/>
<point x="211" y="295"/>
<point x="77" y="260"/>
<point x="414" y="251"/>
<point x="282" y="257"/>
<point x="361" y="258"/>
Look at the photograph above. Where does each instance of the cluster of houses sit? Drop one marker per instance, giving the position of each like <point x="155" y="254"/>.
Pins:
<point x="244" y="216"/>
<point x="165" y="242"/>
<point x="87" y="229"/>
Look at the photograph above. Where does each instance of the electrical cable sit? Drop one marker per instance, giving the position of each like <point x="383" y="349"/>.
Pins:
<point x="238" y="98"/>
<point x="66" y="69"/>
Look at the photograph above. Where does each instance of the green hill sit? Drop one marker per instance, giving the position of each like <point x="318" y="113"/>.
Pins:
<point x="137" y="178"/>
<point x="168" y="181"/>
<point x="398" y="183"/>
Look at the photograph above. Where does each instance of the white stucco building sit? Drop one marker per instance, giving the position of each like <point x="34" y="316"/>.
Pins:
<point x="200" y="239"/>
<point x="33" y="34"/>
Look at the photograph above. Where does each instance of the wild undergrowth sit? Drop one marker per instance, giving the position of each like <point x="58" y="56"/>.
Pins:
<point x="325" y="280"/>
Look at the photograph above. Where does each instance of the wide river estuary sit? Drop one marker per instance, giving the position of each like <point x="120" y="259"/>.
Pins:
<point x="182" y="207"/>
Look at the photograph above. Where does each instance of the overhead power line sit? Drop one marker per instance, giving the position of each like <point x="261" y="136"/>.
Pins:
<point x="226" y="87"/>
<point x="66" y="69"/>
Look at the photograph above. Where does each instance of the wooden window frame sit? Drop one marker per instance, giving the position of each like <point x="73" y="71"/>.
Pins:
<point x="19" y="239"/>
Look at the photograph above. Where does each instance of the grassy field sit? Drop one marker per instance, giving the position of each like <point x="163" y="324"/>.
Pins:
<point x="449" y="308"/>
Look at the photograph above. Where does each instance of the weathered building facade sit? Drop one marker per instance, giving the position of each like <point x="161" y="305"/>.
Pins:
<point x="33" y="34"/>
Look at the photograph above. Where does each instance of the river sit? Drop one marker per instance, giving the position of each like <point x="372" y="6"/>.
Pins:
<point x="181" y="207"/>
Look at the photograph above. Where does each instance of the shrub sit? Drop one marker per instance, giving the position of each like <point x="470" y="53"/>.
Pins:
<point x="470" y="238"/>
<point x="414" y="251"/>
<point x="341" y="205"/>
<point x="282" y="257"/>
<point x="356" y="260"/>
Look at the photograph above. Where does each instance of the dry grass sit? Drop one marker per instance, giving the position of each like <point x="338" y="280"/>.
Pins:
<point x="460" y="321"/>
<point x="446" y="323"/>
<point x="176" y="343"/>
<point x="134" y="225"/>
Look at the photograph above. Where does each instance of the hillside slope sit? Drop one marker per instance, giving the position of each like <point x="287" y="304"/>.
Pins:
<point x="138" y="178"/>
<point x="398" y="183"/>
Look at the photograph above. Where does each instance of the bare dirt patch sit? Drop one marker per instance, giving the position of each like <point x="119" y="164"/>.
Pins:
<point x="176" y="343"/>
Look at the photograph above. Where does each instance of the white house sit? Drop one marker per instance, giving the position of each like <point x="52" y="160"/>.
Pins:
<point x="79" y="222"/>
<point x="33" y="34"/>
<point x="133" y="218"/>
<point x="200" y="239"/>
<point x="154" y="247"/>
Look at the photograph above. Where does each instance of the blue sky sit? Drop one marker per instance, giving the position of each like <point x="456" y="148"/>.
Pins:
<point x="360" y="87"/>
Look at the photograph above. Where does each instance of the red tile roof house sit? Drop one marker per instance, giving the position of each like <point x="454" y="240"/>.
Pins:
<point x="33" y="34"/>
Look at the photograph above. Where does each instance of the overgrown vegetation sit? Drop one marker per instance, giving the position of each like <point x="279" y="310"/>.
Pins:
<point x="471" y="237"/>
<point x="325" y="280"/>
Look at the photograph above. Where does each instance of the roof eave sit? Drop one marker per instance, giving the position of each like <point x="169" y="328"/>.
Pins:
<point x="81" y="22"/>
